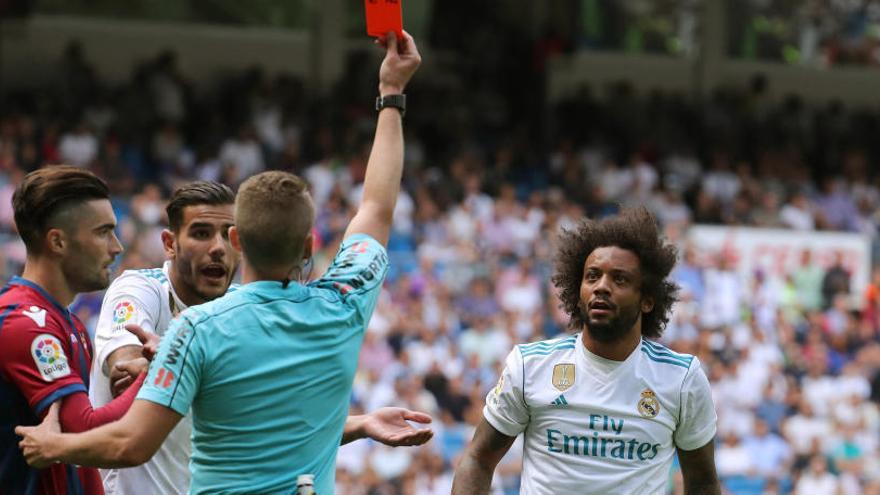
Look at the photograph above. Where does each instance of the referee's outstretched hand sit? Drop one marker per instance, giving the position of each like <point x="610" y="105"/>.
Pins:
<point x="390" y="425"/>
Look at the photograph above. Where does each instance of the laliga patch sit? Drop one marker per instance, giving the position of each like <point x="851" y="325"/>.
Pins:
<point x="122" y="314"/>
<point x="37" y="314"/>
<point x="49" y="357"/>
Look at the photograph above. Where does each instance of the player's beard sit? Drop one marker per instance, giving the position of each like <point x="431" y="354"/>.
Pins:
<point x="613" y="329"/>
<point x="83" y="272"/>
<point x="188" y="273"/>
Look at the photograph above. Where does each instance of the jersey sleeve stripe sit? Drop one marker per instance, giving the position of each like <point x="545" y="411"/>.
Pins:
<point x="61" y="392"/>
<point x="663" y="352"/>
<point x="545" y="344"/>
<point x="665" y="355"/>
<point x="664" y="360"/>
<point x="5" y="314"/>
<point x="74" y="485"/>
<point x="546" y="352"/>
<point x="154" y="273"/>
<point x="182" y="365"/>
<point x="658" y="355"/>
<point x="523" y="389"/>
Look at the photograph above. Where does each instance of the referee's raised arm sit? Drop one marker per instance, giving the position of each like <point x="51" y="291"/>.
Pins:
<point x="385" y="166"/>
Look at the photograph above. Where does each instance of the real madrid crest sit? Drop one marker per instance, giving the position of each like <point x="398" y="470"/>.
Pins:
<point x="649" y="406"/>
<point x="563" y="376"/>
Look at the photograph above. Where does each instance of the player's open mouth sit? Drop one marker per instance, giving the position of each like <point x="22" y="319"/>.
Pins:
<point x="216" y="272"/>
<point x="600" y="308"/>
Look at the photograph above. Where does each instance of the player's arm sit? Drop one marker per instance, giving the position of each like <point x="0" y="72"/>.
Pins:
<point x="123" y="365"/>
<point x="698" y="470"/>
<point x="474" y="472"/>
<point x="505" y="416"/>
<point x="388" y="425"/>
<point x="45" y="383"/>
<point x="167" y="396"/>
<point x="77" y="412"/>
<point x="131" y="299"/>
<point x="131" y="441"/>
<point x="127" y="363"/>
<point x="694" y="437"/>
<point x="385" y="165"/>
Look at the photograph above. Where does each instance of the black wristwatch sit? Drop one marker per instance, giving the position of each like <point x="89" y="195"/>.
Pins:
<point x="392" y="101"/>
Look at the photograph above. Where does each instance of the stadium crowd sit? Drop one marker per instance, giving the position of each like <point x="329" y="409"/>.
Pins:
<point x="794" y="362"/>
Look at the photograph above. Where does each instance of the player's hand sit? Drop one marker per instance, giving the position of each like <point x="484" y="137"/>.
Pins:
<point x="389" y="425"/>
<point x="401" y="61"/>
<point x="39" y="440"/>
<point x="124" y="373"/>
<point x="149" y="340"/>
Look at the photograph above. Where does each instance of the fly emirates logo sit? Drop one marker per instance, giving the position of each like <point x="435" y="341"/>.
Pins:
<point x="605" y="438"/>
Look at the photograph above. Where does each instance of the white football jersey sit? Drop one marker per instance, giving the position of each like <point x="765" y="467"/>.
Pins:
<point x="144" y="297"/>
<point x="592" y="425"/>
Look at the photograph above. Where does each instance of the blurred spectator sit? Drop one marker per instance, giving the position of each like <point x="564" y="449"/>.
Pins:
<point x="805" y="428"/>
<point x="724" y="292"/>
<point x="485" y="341"/>
<point x="770" y="455"/>
<point x="796" y="214"/>
<point x="836" y="207"/>
<point x="242" y="155"/>
<point x="732" y="457"/>
<point x="79" y="146"/>
<point x="478" y="303"/>
<point x="836" y="280"/>
<point x="168" y="88"/>
<point x="817" y="480"/>
<point x="720" y="183"/>
<point x="808" y="281"/>
<point x="768" y="214"/>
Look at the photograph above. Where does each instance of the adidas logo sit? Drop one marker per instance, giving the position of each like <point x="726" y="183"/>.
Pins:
<point x="560" y="401"/>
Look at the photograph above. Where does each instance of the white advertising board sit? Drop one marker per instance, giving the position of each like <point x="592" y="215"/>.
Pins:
<point x="777" y="251"/>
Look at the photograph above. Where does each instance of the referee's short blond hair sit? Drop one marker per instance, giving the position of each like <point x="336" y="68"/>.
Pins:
<point x="274" y="215"/>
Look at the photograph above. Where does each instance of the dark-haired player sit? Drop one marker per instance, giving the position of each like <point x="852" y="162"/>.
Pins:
<point x="64" y="217"/>
<point x="606" y="409"/>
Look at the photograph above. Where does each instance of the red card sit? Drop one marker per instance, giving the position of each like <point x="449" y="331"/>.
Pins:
<point x="384" y="16"/>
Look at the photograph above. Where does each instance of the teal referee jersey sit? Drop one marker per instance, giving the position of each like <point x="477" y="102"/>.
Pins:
<point x="268" y="373"/>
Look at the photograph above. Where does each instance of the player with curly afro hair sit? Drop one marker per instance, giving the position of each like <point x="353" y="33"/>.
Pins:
<point x="633" y="231"/>
<point x="559" y="393"/>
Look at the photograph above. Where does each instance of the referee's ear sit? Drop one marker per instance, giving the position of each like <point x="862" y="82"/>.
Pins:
<point x="234" y="239"/>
